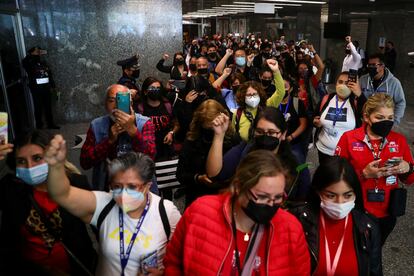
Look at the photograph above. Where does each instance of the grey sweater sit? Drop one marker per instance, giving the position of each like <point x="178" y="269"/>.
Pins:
<point x="390" y="85"/>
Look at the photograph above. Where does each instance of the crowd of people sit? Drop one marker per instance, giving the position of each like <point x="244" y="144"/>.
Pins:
<point x="240" y="114"/>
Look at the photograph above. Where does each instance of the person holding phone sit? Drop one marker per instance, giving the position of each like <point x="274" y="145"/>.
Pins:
<point x="370" y="149"/>
<point x="114" y="134"/>
<point x="337" y="113"/>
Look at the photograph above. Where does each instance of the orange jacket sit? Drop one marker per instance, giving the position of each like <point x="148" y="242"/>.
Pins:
<point x="203" y="238"/>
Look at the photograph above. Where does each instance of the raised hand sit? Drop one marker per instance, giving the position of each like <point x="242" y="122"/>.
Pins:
<point x="227" y="72"/>
<point x="4" y="150"/>
<point x="221" y="124"/>
<point x="165" y="56"/>
<point x="229" y="52"/>
<point x="273" y="65"/>
<point x="56" y="151"/>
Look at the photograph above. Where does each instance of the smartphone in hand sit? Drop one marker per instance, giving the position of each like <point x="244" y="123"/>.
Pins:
<point x="393" y="162"/>
<point x="123" y="102"/>
<point x="353" y="75"/>
<point x="4" y="131"/>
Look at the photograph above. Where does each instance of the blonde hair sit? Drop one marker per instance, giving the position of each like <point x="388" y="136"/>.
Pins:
<point x="206" y="113"/>
<point x="376" y="102"/>
<point x="254" y="166"/>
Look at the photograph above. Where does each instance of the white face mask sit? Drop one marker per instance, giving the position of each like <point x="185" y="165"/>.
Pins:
<point x="253" y="101"/>
<point x="128" y="199"/>
<point x="337" y="210"/>
<point x="343" y="91"/>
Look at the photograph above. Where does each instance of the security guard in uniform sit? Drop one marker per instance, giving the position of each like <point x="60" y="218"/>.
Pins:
<point x="40" y="83"/>
<point x="130" y="72"/>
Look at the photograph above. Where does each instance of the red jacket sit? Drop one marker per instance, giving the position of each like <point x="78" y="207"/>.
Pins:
<point x="354" y="147"/>
<point x="203" y="238"/>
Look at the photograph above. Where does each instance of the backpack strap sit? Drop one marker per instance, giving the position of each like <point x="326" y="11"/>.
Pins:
<point x="168" y="107"/>
<point x="164" y="219"/>
<point x="239" y="113"/>
<point x="105" y="211"/>
<point x="296" y="104"/>
<point x="323" y="102"/>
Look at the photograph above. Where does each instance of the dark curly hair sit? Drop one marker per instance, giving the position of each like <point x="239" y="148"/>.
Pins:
<point x="241" y="93"/>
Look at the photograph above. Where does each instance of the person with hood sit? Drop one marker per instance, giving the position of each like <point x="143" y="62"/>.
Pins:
<point x="380" y="79"/>
<point x="352" y="59"/>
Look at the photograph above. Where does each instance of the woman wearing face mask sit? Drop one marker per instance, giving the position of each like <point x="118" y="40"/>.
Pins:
<point x="251" y="98"/>
<point x="337" y="113"/>
<point x="133" y="224"/>
<point x="229" y="94"/>
<point x="269" y="134"/>
<point x="178" y="70"/>
<point x="37" y="236"/>
<point x="243" y="231"/>
<point x="381" y="158"/>
<point x="191" y="170"/>
<point x="342" y="239"/>
<point x="159" y="109"/>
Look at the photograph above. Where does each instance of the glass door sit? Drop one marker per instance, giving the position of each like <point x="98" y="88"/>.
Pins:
<point x="14" y="95"/>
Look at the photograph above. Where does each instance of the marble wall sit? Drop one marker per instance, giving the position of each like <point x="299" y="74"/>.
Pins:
<point x="85" y="38"/>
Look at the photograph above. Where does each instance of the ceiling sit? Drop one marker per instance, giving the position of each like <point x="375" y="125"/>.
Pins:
<point x="197" y="5"/>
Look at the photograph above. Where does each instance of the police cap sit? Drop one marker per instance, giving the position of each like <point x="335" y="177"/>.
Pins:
<point x="131" y="63"/>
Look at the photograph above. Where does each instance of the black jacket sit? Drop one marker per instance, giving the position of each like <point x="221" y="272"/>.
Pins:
<point x="15" y="206"/>
<point x="366" y="238"/>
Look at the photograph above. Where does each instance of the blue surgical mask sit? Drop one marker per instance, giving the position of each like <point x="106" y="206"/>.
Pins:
<point x="240" y="61"/>
<point x="33" y="176"/>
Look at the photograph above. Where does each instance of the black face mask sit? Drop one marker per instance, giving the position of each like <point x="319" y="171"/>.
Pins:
<point x="207" y="135"/>
<point x="212" y="55"/>
<point x="303" y="74"/>
<point x="193" y="67"/>
<point x="179" y="62"/>
<point x="202" y="71"/>
<point x="260" y="213"/>
<point x="267" y="55"/>
<point x="154" y="94"/>
<point x="382" y="128"/>
<point x="266" y="83"/>
<point x="266" y="142"/>
<point x="135" y="74"/>
<point x="372" y="71"/>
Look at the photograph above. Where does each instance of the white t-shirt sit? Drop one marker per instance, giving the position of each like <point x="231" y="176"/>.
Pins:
<point x="151" y="236"/>
<point x="329" y="136"/>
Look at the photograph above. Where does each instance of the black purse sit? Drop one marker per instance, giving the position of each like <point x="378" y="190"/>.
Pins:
<point x="398" y="202"/>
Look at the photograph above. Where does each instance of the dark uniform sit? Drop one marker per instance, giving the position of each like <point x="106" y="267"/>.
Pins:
<point x="133" y="64"/>
<point x="40" y="84"/>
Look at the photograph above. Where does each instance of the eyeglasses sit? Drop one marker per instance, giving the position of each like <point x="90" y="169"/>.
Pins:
<point x="269" y="132"/>
<point x="262" y="199"/>
<point x="372" y="65"/>
<point x="251" y="96"/>
<point x="131" y="189"/>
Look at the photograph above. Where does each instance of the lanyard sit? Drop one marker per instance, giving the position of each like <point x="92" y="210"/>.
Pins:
<point x="125" y="256"/>
<point x="251" y="243"/>
<point x="338" y="111"/>
<point x="286" y="108"/>
<point x="331" y="267"/>
<point x="376" y="155"/>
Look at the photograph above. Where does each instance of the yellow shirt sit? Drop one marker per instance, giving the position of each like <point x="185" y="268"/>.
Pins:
<point x="274" y="100"/>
